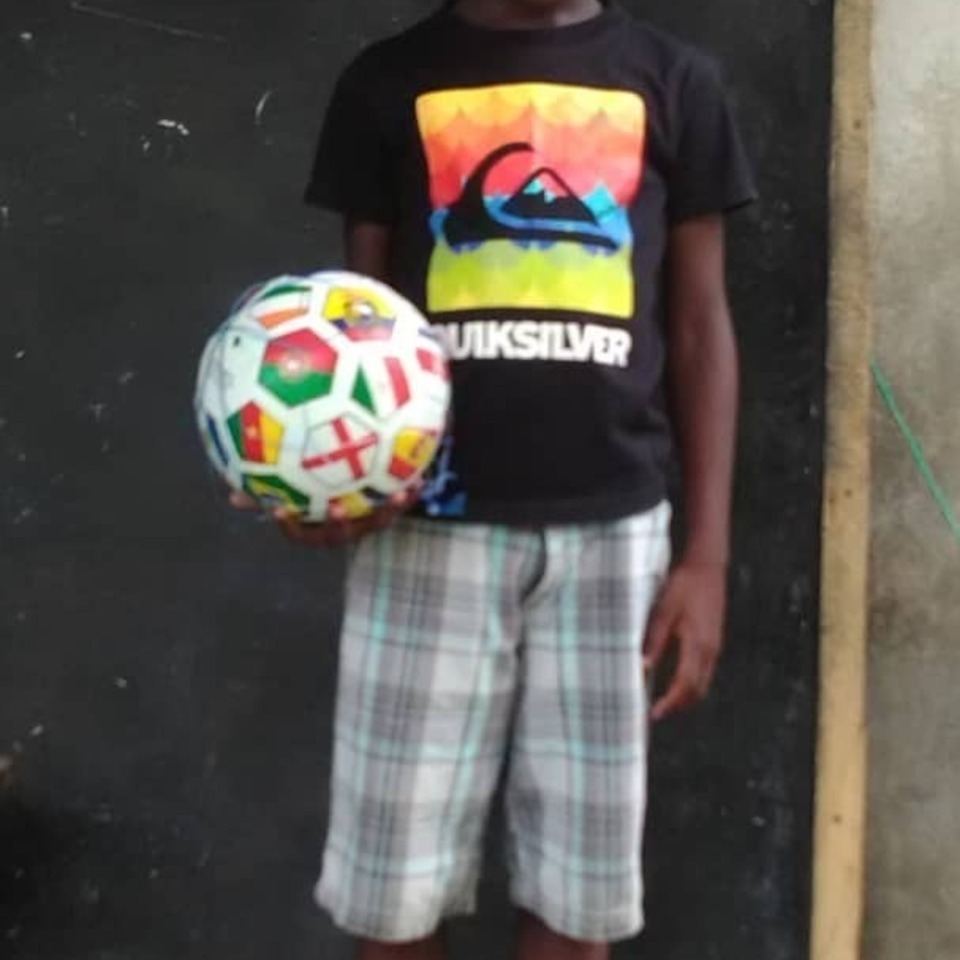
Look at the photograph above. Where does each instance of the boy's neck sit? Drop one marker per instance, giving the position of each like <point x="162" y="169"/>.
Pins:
<point x="527" y="14"/>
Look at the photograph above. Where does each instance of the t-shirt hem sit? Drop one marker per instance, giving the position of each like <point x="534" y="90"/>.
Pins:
<point x="695" y="210"/>
<point x="316" y="197"/>
<point x="547" y="512"/>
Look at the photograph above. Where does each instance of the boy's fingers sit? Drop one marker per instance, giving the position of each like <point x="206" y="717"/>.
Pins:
<point x="338" y="529"/>
<point x="678" y="698"/>
<point x="290" y="526"/>
<point x="316" y="534"/>
<point x="336" y="513"/>
<point x="404" y="499"/>
<point x="330" y="533"/>
<point x="681" y="696"/>
<point x="688" y="687"/>
<point x="380" y="520"/>
<point x="657" y="639"/>
<point x="708" y="670"/>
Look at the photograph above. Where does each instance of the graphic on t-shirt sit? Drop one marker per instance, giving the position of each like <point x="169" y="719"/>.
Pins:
<point x="442" y="494"/>
<point x="531" y="186"/>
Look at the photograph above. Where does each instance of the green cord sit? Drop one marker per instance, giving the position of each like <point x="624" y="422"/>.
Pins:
<point x="916" y="449"/>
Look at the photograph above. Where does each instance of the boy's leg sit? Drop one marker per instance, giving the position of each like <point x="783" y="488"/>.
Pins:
<point x="577" y="781"/>
<point x="429" y="949"/>
<point x="537" y="941"/>
<point x="426" y="684"/>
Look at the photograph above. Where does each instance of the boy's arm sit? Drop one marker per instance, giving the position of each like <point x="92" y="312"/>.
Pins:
<point x="703" y="381"/>
<point x="366" y="247"/>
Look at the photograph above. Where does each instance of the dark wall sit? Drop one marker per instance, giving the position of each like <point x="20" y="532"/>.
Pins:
<point x="165" y="666"/>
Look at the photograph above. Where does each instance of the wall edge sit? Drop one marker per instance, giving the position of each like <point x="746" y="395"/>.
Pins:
<point x="841" y="767"/>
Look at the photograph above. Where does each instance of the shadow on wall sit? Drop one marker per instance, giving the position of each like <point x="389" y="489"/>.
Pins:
<point x="24" y="851"/>
<point x="102" y="883"/>
<point x="56" y="902"/>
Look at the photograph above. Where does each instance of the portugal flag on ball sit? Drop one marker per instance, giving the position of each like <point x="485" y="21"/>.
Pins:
<point x="298" y="367"/>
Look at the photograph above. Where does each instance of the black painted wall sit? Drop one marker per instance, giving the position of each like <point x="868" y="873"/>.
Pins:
<point x="166" y="667"/>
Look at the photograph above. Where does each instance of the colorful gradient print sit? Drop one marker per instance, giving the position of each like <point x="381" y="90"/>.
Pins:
<point x="531" y="186"/>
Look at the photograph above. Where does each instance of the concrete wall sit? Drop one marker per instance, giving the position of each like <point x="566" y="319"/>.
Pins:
<point x="166" y="666"/>
<point x="914" y="826"/>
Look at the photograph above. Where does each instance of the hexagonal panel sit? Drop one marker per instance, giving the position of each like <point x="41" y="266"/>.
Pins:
<point x="413" y="451"/>
<point x="361" y="315"/>
<point x="381" y="386"/>
<point x="341" y="452"/>
<point x="273" y="491"/>
<point x="298" y="367"/>
<point x="257" y="437"/>
<point x="281" y="303"/>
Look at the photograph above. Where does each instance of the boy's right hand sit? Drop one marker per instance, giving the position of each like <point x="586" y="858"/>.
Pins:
<point x="337" y="530"/>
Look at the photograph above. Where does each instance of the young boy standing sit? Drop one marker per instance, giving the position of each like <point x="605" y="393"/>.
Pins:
<point x="547" y="180"/>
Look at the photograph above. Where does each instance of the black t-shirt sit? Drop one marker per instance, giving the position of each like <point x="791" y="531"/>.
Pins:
<point x="530" y="178"/>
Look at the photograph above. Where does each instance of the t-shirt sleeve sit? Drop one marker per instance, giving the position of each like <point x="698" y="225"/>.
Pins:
<point x="353" y="172"/>
<point x="710" y="172"/>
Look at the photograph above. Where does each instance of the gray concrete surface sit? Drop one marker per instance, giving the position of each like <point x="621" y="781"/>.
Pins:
<point x="913" y="896"/>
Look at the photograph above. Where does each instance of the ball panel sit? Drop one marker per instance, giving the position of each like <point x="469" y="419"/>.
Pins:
<point x="274" y="492"/>
<point x="381" y="385"/>
<point x="257" y="437"/>
<point x="323" y="391"/>
<point x="431" y="360"/>
<point x="240" y="357"/>
<point x="280" y="302"/>
<point x="340" y="453"/>
<point x="361" y="315"/>
<point x="413" y="451"/>
<point x="298" y="367"/>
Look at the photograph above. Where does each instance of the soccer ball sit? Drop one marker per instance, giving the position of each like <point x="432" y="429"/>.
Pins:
<point x="320" y="392"/>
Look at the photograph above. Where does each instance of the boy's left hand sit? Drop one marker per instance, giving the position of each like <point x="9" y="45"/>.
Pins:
<point x="338" y="529"/>
<point x="689" y="615"/>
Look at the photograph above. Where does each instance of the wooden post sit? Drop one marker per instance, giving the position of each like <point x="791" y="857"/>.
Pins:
<point x="839" y="832"/>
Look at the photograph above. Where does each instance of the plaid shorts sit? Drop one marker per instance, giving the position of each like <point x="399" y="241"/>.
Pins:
<point x="466" y="648"/>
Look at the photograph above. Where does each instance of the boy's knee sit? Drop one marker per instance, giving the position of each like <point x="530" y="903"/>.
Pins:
<point x="430" y="948"/>
<point x="539" y="942"/>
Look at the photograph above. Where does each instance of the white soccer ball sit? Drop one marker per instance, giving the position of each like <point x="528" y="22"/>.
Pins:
<point x="323" y="391"/>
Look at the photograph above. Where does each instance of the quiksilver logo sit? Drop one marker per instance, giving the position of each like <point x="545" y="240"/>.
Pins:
<point x="531" y="340"/>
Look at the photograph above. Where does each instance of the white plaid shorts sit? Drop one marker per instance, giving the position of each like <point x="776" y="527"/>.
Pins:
<point x="469" y="647"/>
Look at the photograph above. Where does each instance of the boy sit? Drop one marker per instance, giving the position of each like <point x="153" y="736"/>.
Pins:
<point x="547" y="179"/>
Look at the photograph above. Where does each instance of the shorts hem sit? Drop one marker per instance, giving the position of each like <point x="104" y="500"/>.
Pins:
<point x="379" y="931"/>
